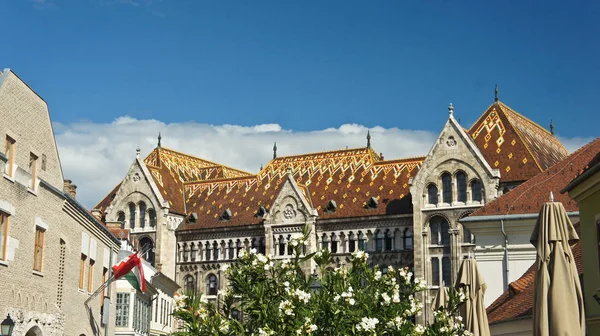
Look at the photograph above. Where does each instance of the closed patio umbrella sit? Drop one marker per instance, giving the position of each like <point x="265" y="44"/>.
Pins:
<point x="441" y="299"/>
<point x="558" y="300"/>
<point x="471" y="283"/>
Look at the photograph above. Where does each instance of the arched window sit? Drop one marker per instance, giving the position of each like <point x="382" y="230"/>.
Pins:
<point x="432" y="194"/>
<point x="408" y="239"/>
<point x="281" y="245"/>
<point x="435" y="271"/>
<point x="447" y="188"/>
<point x="254" y="244"/>
<point x="361" y="241"/>
<point x="212" y="285"/>
<point x="188" y="284"/>
<point x="207" y="250"/>
<point x="445" y="233"/>
<point x="388" y="240"/>
<point x="261" y="245"/>
<point x="142" y="206"/>
<point x="476" y="193"/>
<point x="461" y="187"/>
<point x="121" y="219"/>
<point x="239" y="246"/>
<point x="351" y="242"/>
<point x="215" y="251"/>
<point x="147" y="245"/>
<point x="231" y="250"/>
<point x="324" y="242"/>
<point x="334" y="243"/>
<point x="152" y="217"/>
<point x="131" y="215"/>
<point x="378" y="241"/>
<point x="446" y="271"/>
<point x="193" y="252"/>
<point x="290" y="247"/>
<point x="186" y="252"/>
<point x="440" y="231"/>
<point x="434" y="228"/>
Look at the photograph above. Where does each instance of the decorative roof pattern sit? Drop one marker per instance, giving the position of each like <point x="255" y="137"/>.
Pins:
<point x="529" y="196"/>
<point x="515" y="145"/>
<point x="348" y="177"/>
<point x="517" y="301"/>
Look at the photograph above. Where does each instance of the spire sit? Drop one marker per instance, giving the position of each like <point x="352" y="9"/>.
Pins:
<point x="551" y="127"/>
<point x="368" y="139"/>
<point x="450" y="109"/>
<point x="496" y="93"/>
<point x="137" y="152"/>
<point x="274" y="150"/>
<point x="261" y="167"/>
<point x="159" y="138"/>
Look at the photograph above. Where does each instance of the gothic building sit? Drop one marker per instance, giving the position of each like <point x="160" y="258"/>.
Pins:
<point x="404" y="212"/>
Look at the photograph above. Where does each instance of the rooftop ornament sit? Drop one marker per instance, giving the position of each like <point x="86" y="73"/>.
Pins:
<point x="496" y="93"/>
<point x="274" y="150"/>
<point x="368" y="139"/>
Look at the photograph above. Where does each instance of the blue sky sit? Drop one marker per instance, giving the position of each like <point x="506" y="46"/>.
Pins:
<point x="307" y="65"/>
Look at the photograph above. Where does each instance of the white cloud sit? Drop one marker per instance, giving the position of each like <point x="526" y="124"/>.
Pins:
<point x="573" y="144"/>
<point x="97" y="156"/>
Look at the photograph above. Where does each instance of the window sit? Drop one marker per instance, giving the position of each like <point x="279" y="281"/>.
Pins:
<point x="212" y="286"/>
<point x="435" y="271"/>
<point x="261" y="246"/>
<point x="434" y="229"/>
<point x="9" y="152"/>
<point x="361" y="241"/>
<point x="446" y="271"/>
<point x="334" y="243"/>
<point x="215" y="251"/>
<point x="122" y="309"/>
<point x="38" y="252"/>
<point x="432" y="194"/>
<point x="324" y="242"/>
<point x="82" y="264"/>
<point x="378" y="241"/>
<point x="90" y="284"/>
<point x="186" y="252"/>
<point x="44" y="162"/>
<point x="467" y="236"/>
<point x="3" y="235"/>
<point x="121" y="219"/>
<point x="193" y="252"/>
<point x="408" y="239"/>
<point x="231" y="250"/>
<point x="447" y="188"/>
<point x="148" y="246"/>
<point x="440" y="231"/>
<point x="290" y="247"/>
<point x="33" y="169"/>
<point x="239" y="246"/>
<point x="445" y="233"/>
<point x="207" y="250"/>
<point x="389" y="240"/>
<point x="476" y="192"/>
<point x="152" y="216"/>
<point x="104" y="274"/>
<point x="142" y="206"/>
<point x="131" y="215"/>
<point x="351" y="242"/>
<point x="188" y="283"/>
<point x="461" y="187"/>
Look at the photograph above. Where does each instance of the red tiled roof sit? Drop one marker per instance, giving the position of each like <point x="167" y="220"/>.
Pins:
<point x="348" y="177"/>
<point x="529" y="196"/>
<point x="515" y="145"/>
<point x="105" y="202"/>
<point x="517" y="301"/>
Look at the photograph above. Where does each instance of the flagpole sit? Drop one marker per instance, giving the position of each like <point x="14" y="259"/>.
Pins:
<point x="110" y="280"/>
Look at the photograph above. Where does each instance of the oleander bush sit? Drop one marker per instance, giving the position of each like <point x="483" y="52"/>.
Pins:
<point x="277" y="298"/>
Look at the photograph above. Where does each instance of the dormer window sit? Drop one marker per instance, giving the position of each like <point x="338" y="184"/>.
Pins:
<point x="193" y="218"/>
<point x="226" y="216"/>
<point x="331" y="206"/>
<point x="372" y="203"/>
<point x="262" y="211"/>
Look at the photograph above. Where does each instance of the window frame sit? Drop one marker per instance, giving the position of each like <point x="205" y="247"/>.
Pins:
<point x="33" y="169"/>
<point x="38" y="252"/>
<point x="209" y="282"/>
<point x="9" y="152"/>
<point x="461" y="186"/>
<point x="82" y="266"/>
<point x="4" y="222"/>
<point x="122" y="308"/>
<point x="447" y="188"/>
<point x="90" y="282"/>
<point x="432" y="194"/>
<point x="479" y="191"/>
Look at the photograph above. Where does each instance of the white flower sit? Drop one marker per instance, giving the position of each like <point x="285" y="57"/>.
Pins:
<point x="361" y="255"/>
<point x="386" y="299"/>
<point x="367" y="324"/>
<point x="286" y="307"/>
<point x="286" y="284"/>
<point x="253" y="250"/>
<point x="294" y="243"/>
<point x="351" y="301"/>
<point x="224" y="327"/>
<point x="419" y="329"/>
<point x="302" y="295"/>
<point x="265" y="332"/>
<point x="262" y="258"/>
<point x="377" y="275"/>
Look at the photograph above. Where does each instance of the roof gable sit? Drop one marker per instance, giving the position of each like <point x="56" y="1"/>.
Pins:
<point x="529" y="196"/>
<point x="515" y="145"/>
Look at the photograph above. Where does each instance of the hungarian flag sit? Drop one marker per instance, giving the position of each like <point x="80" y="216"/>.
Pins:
<point x="132" y="269"/>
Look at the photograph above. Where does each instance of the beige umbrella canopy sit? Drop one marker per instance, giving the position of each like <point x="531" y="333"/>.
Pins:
<point x="471" y="283"/>
<point x="558" y="300"/>
<point x="441" y="299"/>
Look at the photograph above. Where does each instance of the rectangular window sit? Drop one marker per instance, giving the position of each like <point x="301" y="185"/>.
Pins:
<point x="446" y="271"/>
<point x="122" y="310"/>
<point x="82" y="264"/>
<point x="3" y="235"/>
<point x="9" y="152"/>
<point x="38" y="253"/>
<point x="33" y="169"/>
<point x="435" y="271"/>
<point x="90" y="284"/>
<point x="104" y="275"/>
<point x="44" y="162"/>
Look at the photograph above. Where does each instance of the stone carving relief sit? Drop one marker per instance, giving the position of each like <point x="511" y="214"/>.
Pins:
<point x="136" y="177"/>
<point x="451" y="142"/>
<point x="289" y="213"/>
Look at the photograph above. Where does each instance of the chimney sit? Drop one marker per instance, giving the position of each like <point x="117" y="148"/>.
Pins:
<point x="70" y="188"/>
<point x="97" y="214"/>
<point x="381" y="156"/>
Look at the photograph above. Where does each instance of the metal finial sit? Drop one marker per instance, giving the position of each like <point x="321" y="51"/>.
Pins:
<point x="261" y="167"/>
<point x="551" y="127"/>
<point x="450" y="109"/>
<point x="274" y="150"/>
<point x="368" y="139"/>
<point x="137" y="152"/>
<point x="159" y="138"/>
<point x="551" y="197"/>
<point x="496" y="93"/>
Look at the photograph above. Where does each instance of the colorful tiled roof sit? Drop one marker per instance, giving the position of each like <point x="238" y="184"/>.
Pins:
<point x="347" y="177"/>
<point x="529" y="196"/>
<point x="517" y="301"/>
<point x="515" y="145"/>
<point x="105" y="202"/>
